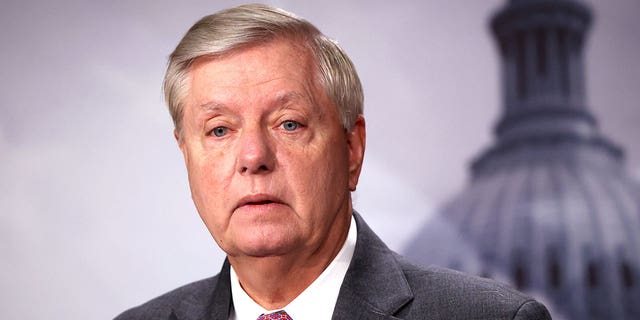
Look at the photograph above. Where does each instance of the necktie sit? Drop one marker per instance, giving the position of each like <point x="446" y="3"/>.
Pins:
<point x="278" y="315"/>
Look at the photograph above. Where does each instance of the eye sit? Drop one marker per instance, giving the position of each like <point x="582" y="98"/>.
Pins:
<point x="290" y="125"/>
<point x="219" y="131"/>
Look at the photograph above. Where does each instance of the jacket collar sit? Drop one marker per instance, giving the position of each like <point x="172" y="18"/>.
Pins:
<point x="375" y="286"/>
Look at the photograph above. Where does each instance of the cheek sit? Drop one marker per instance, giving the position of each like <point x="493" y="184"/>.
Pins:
<point x="317" y="173"/>
<point x="215" y="169"/>
<point x="209" y="179"/>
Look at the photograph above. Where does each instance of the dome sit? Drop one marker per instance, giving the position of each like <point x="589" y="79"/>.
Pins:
<point x="559" y="218"/>
<point x="550" y="207"/>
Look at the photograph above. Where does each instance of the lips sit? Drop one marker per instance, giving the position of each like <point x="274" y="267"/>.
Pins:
<point x="258" y="200"/>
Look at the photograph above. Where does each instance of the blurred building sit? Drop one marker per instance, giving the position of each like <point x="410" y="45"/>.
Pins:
<point x="550" y="207"/>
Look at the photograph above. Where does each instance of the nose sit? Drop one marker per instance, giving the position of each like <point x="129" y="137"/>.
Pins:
<point x="255" y="155"/>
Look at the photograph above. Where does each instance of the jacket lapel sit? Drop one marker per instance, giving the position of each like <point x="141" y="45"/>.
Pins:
<point x="208" y="306"/>
<point x="375" y="286"/>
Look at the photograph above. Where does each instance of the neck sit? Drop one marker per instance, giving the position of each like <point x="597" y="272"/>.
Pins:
<point x="274" y="281"/>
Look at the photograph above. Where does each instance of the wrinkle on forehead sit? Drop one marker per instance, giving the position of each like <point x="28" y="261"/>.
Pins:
<point x="246" y="73"/>
<point x="296" y="53"/>
<point x="283" y="99"/>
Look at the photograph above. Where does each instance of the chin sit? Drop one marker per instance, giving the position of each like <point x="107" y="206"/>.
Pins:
<point x="266" y="245"/>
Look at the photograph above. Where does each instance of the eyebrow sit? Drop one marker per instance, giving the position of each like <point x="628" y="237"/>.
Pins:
<point x="283" y="101"/>
<point x="212" y="106"/>
<point x="288" y="97"/>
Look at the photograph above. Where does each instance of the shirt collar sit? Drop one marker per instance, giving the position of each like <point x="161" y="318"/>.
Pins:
<point x="305" y="306"/>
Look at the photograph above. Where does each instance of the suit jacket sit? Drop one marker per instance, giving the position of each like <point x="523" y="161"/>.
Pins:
<point x="379" y="284"/>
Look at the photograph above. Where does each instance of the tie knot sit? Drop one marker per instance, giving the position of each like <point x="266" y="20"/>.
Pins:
<point x="278" y="315"/>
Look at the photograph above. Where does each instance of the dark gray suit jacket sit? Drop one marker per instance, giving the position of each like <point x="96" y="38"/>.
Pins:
<point x="379" y="284"/>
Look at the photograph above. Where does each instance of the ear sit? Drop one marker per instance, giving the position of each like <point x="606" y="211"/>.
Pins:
<point x="176" y="134"/>
<point x="181" y="145"/>
<point x="356" y="141"/>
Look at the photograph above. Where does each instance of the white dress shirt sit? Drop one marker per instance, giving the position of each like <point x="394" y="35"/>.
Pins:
<point x="317" y="301"/>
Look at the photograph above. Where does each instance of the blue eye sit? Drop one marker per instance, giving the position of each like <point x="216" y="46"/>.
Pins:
<point x="219" y="131"/>
<point x="290" y="125"/>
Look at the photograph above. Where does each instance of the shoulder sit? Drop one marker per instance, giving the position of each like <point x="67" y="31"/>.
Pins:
<point x="427" y="293"/>
<point x="162" y="307"/>
<point x="456" y="295"/>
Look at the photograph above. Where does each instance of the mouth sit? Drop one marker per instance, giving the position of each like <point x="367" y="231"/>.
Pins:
<point x="258" y="200"/>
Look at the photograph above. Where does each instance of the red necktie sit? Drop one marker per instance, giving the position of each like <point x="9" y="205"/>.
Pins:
<point x="278" y="315"/>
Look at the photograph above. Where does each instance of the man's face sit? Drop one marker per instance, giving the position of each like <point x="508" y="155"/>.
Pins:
<point x="270" y="166"/>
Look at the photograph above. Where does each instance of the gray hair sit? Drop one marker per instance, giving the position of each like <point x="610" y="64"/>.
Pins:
<point x="243" y="26"/>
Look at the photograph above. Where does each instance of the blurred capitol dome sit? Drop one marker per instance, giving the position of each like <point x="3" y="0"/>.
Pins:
<point x="550" y="207"/>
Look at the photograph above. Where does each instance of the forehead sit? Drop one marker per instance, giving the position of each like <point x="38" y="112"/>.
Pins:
<point x="254" y="65"/>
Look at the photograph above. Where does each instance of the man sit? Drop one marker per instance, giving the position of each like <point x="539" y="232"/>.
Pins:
<point x="268" y="116"/>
